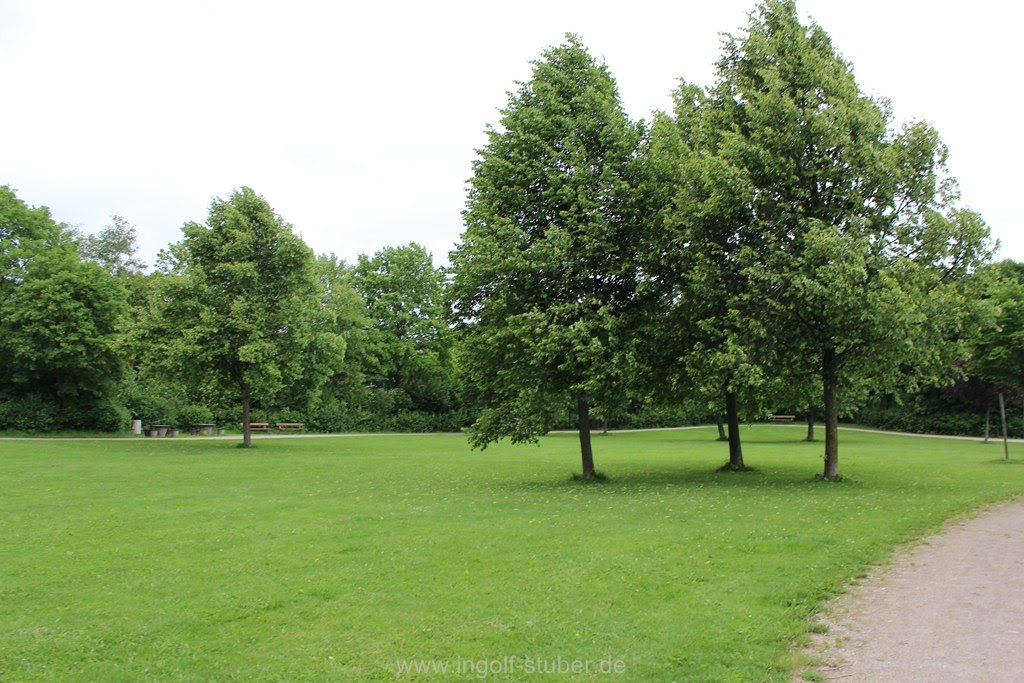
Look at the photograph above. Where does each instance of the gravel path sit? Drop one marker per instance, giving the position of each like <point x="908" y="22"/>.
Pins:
<point x="950" y="609"/>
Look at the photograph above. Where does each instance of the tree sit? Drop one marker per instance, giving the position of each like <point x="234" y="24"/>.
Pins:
<point x="862" y="254"/>
<point x="544" y="273"/>
<point x="243" y="307"/>
<point x="345" y="388"/>
<point x="24" y="232"/>
<point x="408" y="340"/>
<point x="705" y="343"/>
<point x="59" y="318"/>
<point x="114" y="248"/>
<point x="999" y="350"/>
<point x="58" y="333"/>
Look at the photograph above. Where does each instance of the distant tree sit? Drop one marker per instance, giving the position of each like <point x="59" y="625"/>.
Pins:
<point x="999" y="350"/>
<point x="243" y="307"/>
<point x="114" y="248"/>
<point x="544" y="271"/>
<point x="408" y="340"/>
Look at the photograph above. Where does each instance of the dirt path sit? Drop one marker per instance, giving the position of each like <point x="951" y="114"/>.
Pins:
<point x="950" y="609"/>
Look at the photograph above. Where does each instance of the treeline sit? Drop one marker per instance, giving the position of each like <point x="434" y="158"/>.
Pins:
<point x="91" y="341"/>
<point x="773" y="244"/>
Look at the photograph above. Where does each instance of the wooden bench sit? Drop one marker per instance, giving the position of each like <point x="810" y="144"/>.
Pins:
<point x="782" y="418"/>
<point x="291" y="426"/>
<point x="258" y="426"/>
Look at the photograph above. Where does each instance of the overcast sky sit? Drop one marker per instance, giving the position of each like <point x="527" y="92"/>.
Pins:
<point x="359" y="123"/>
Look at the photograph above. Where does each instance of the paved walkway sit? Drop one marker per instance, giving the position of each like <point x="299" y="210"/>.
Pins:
<point x="950" y="609"/>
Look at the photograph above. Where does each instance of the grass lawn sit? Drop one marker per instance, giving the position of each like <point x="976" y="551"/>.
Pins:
<point x="340" y="558"/>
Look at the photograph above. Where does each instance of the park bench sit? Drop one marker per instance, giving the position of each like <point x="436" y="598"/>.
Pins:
<point x="291" y="426"/>
<point x="782" y="418"/>
<point x="258" y="426"/>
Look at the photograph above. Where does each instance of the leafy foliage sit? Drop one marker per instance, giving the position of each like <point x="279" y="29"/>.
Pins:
<point x="114" y="248"/>
<point x="842" y="234"/>
<point x="408" y="344"/>
<point x="242" y="310"/>
<point x="59" y="318"/>
<point x="545" y="267"/>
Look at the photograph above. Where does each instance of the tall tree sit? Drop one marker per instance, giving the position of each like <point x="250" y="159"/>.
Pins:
<point x="244" y="308"/>
<point x="861" y="252"/>
<point x="708" y="344"/>
<point x="544" y="272"/>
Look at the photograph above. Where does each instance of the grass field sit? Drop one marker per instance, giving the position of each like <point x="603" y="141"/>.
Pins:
<point x="353" y="558"/>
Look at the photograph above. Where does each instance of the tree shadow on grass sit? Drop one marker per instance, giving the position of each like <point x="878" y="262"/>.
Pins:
<point x="709" y="477"/>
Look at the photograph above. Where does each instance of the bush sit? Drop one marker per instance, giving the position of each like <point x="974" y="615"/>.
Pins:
<point x="106" y="416"/>
<point x="191" y="416"/>
<point x="933" y="412"/>
<point x="29" y="413"/>
<point x="38" y="413"/>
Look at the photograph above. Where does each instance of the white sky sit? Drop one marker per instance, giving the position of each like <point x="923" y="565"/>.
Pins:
<point x="359" y="123"/>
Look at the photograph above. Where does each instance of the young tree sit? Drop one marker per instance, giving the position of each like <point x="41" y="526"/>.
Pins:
<point x="243" y="307"/>
<point x="544" y="273"/>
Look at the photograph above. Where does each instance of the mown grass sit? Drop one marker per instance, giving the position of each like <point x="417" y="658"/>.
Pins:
<point x="334" y="559"/>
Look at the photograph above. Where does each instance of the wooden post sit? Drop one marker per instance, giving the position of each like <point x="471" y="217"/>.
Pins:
<point x="1006" y="438"/>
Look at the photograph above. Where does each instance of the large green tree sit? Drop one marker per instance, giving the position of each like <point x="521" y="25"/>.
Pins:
<point x="545" y="271"/>
<point x="706" y="343"/>
<point x="243" y="308"/>
<point x="859" y="256"/>
<point x="59" y="322"/>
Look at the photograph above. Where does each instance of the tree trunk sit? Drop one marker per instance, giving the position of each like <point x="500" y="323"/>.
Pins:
<point x="735" y="448"/>
<point x="246" y="416"/>
<point x="583" y="408"/>
<point x="830" y="382"/>
<point x="810" y="423"/>
<point x="721" y="429"/>
<point x="988" y="422"/>
<point x="1006" y="436"/>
